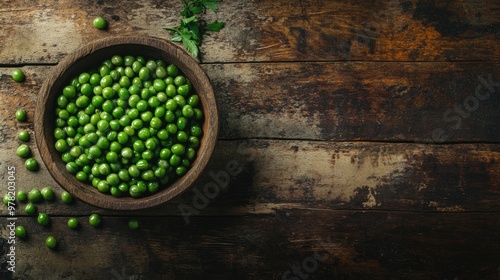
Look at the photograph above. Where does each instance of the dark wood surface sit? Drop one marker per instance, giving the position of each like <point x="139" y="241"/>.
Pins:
<point x="358" y="140"/>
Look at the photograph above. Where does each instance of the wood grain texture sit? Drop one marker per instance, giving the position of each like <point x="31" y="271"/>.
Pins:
<point x="406" y="102"/>
<point x="267" y="176"/>
<point x="336" y="101"/>
<point x="359" y="140"/>
<point x="311" y="30"/>
<point x="320" y="244"/>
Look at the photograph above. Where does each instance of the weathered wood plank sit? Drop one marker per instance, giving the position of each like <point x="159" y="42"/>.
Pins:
<point x="317" y="244"/>
<point x="414" y="102"/>
<point x="403" y="102"/>
<point x="266" y="176"/>
<point x="396" y="30"/>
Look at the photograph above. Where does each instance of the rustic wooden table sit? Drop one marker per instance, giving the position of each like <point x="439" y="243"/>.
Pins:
<point x="358" y="140"/>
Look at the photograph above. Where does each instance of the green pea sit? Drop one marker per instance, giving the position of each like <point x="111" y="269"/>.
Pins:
<point x="183" y="90"/>
<point x="72" y="167"/>
<point x="73" y="223"/>
<point x="22" y="196"/>
<point x="43" y="219"/>
<point x="144" y="73"/>
<point x="171" y="90"/>
<point x="30" y="209"/>
<point x="21" y="115"/>
<point x="103" y="186"/>
<point x="66" y="197"/>
<point x="172" y="70"/>
<point x="133" y="224"/>
<point x="20" y="232"/>
<point x="47" y="194"/>
<point x="69" y="91"/>
<point x="31" y="164"/>
<point x="23" y="151"/>
<point x="99" y="23"/>
<point x="18" y="75"/>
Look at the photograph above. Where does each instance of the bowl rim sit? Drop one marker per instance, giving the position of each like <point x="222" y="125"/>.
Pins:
<point x="171" y="53"/>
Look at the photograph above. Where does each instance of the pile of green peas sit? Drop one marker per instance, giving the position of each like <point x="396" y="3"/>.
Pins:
<point x="130" y="126"/>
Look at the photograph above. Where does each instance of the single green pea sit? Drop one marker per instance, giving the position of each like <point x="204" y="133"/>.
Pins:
<point x="34" y="195"/>
<point x="66" y="197"/>
<point x="178" y="149"/>
<point x="162" y="97"/>
<point x="99" y="23"/>
<point x="82" y="176"/>
<point x="72" y="167"/>
<point x="95" y="220"/>
<point x="133" y="223"/>
<point x="18" y="75"/>
<point x="30" y="208"/>
<point x="117" y="60"/>
<point x="61" y="145"/>
<point x="7" y="198"/>
<point x="95" y="79"/>
<point x="21" y="196"/>
<point x="20" y="232"/>
<point x="47" y="194"/>
<point x="73" y="223"/>
<point x="86" y="89"/>
<point x="172" y="70"/>
<point x="31" y="164"/>
<point x="51" y="242"/>
<point x="21" y="115"/>
<point x="195" y="130"/>
<point x="43" y="219"/>
<point x="144" y="73"/>
<point x="112" y="179"/>
<point x="183" y="90"/>
<point x="188" y="111"/>
<point x="128" y="60"/>
<point x="69" y="91"/>
<point x="23" y="151"/>
<point x="147" y="116"/>
<point x="180" y="80"/>
<point x="171" y="90"/>
<point x="193" y="100"/>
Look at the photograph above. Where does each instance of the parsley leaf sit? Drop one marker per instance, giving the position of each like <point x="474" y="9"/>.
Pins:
<point x="215" y="26"/>
<point x="191" y="30"/>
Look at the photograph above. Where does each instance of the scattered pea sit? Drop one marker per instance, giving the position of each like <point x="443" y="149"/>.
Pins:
<point x="47" y="193"/>
<point x="22" y="196"/>
<point x="99" y="23"/>
<point x="7" y="198"/>
<point x="21" y="115"/>
<point x="23" y="135"/>
<point x="95" y="220"/>
<point x="133" y="223"/>
<point x="73" y="223"/>
<point x="18" y="75"/>
<point x="51" y="242"/>
<point x="23" y="151"/>
<point x="43" y="219"/>
<point x="31" y="164"/>
<point x="30" y="209"/>
<point x="34" y="195"/>
<point x="20" y="232"/>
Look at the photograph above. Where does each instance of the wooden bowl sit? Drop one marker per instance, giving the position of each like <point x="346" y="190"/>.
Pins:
<point x="91" y="56"/>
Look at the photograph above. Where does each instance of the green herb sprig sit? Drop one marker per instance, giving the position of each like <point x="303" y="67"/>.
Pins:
<point x="191" y="28"/>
